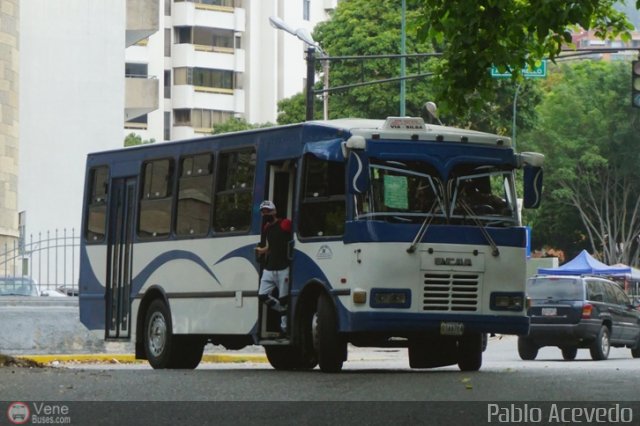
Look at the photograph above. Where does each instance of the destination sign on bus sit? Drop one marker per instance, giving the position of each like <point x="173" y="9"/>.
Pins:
<point x="404" y="123"/>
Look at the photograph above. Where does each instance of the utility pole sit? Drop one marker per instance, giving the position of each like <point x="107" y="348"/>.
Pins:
<point x="403" y="58"/>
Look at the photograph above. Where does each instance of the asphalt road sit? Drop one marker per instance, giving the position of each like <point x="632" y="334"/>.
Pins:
<point x="371" y="380"/>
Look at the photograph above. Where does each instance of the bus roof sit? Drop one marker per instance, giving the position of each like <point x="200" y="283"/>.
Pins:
<point x="412" y="128"/>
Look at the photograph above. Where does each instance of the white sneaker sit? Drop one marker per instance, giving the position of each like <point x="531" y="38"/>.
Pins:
<point x="283" y="323"/>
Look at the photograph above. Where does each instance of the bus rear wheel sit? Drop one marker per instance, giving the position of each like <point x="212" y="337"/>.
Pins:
<point x="329" y="346"/>
<point x="190" y="352"/>
<point x="158" y="335"/>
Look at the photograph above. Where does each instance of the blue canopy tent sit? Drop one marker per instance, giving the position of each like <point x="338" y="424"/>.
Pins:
<point x="584" y="263"/>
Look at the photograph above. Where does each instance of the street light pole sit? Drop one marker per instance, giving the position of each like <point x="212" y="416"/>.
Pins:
<point x="311" y="74"/>
<point x="312" y="48"/>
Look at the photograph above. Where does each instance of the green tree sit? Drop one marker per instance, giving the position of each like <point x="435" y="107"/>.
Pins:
<point x="362" y="27"/>
<point x="132" y="139"/>
<point x="236" y="124"/>
<point x="589" y="134"/>
<point x="476" y="34"/>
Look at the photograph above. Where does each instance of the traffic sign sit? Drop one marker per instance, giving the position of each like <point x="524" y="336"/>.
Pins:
<point x="540" y="71"/>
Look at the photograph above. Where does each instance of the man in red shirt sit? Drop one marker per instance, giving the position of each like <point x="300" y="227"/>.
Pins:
<point x="274" y="251"/>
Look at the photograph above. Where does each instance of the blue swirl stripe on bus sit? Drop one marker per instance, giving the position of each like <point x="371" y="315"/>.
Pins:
<point x="139" y="280"/>
<point x="245" y="252"/>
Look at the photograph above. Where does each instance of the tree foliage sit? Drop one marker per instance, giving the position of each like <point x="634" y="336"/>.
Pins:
<point x="363" y="27"/>
<point x="589" y="134"/>
<point x="511" y="34"/>
<point x="236" y="124"/>
<point x="132" y="140"/>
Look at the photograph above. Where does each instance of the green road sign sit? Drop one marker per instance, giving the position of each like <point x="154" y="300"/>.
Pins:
<point x="537" y="72"/>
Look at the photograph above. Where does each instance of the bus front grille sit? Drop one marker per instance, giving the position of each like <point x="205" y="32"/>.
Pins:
<point x="454" y="292"/>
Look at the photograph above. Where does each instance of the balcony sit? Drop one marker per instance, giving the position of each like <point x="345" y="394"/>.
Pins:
<point x="191" y="55"/>
<point x="196" y="14"/>
<point x="189" y="97"/>
<point x="143" y="19"/>
<point x="141" y="96"/>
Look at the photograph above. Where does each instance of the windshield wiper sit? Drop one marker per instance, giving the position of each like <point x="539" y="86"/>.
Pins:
<point x="423" y="228"/>
<point x="494" y="247"/>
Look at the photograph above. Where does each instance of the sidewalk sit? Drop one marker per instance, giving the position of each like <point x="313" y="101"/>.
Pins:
<point x="253" y="354"/>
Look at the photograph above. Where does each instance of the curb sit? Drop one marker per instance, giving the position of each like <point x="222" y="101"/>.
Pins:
<point x="130" y="358"/>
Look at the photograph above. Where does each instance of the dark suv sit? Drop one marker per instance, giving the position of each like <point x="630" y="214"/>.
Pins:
<point x="573" y="312"/>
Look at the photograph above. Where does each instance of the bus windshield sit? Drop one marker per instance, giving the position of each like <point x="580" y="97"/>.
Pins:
<point x="402" y="191"/>
<point x="411" y="191"/>
<point x="488" y="196"/>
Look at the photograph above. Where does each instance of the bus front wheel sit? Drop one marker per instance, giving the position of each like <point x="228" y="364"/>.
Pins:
<point x="330" y="347"/>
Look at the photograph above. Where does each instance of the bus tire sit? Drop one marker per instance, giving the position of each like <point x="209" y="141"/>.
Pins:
<point x="158" y="335"/>
<point x="187" y="352"/>
<point x="330" y="347"/>
<point x="283" y="357"/>
<point x="470" y="352"/>
<point x="432" y="352"/>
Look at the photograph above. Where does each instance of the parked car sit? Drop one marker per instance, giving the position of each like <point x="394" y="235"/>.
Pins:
<point x="24" y="286"/>
<point x="573" y="312"/>
<point x="18" y="286"/>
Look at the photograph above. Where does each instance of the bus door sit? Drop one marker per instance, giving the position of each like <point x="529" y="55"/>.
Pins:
<point x="280" y="189"/>
<point x="119" y="255"/>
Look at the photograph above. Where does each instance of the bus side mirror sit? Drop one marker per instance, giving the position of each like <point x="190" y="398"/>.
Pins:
<point x="357" y="173"/>
<point x="532" y="187"/>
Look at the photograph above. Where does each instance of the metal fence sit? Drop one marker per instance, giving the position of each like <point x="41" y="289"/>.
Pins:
<point x="50" y="259"/>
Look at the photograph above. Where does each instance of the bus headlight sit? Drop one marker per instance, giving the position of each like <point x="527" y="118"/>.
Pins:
<point x="390" y="298"/>
<point x="502" y="301"/>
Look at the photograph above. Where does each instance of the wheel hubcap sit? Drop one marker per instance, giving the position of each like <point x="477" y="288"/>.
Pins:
<point x="605" y="344"/>
<point x="157" y="334"/>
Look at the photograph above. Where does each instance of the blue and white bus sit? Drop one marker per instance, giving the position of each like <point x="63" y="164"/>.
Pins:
<point x="405" y="234"/>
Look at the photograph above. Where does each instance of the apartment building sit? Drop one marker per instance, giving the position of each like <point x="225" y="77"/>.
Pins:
<point x="9" y="59"/>
<point x="217" y="59"/>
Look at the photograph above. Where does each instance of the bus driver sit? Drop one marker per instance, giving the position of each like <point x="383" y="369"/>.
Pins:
<point x="274" y="251"/>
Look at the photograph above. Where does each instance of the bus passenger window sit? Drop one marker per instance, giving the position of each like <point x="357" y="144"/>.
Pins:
<point x="234" y="191"/>
<point x="156" y="201"/>
<point x="194" y="195"/>
<point x="97" y="208"/>
<point x="322" y="204"/>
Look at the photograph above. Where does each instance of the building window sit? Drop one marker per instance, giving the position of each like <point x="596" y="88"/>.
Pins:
<point x="234" y="191"/>
<point x="167" y="7"/>
<point x="97" y="208"/>
<point x="167" y="84"/>
<point x="218" y="79"/>
<point x="306" y="10"/>
<point x="139" y="122"/>
<point x="194" y="195"/>
<point x="182" y="117"/>
<point x="322" y="201"/>
<point x="167" y="125"/>
<point x="133" y="70"/>
<point x="156" y="200"/>
<point x="200" y="118"/>
<point x="167" y="42"/>
<point x="183" y="35"/>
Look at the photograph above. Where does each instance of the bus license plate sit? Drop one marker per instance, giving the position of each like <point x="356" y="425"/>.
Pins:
<point x="451" y="328"/>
